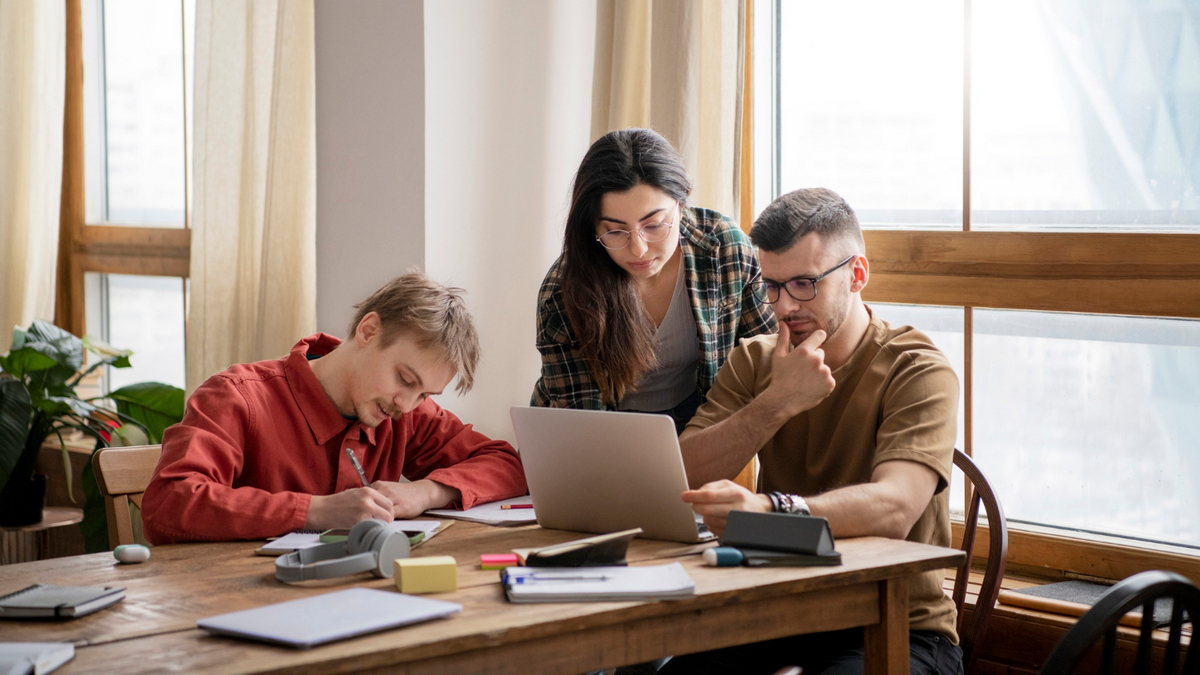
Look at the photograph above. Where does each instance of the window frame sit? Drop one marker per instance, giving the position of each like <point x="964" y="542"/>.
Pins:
<point x="1120" y="273"/>
<point x="110" y="248"/>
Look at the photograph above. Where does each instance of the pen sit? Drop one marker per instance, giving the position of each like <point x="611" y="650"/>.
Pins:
<point x="357" y="467"/>
<point x="506" y="507"/>
<point x="542" y="577"/>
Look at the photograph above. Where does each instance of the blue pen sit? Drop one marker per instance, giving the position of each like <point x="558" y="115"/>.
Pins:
<point x="543" y="577"/>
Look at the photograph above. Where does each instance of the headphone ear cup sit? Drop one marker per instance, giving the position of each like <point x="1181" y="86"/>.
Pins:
<point x="394" y="545"/>
<point x="363" y="534"/>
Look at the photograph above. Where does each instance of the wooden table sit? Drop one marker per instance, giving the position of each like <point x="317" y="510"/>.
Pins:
<point x="153" y="629"/>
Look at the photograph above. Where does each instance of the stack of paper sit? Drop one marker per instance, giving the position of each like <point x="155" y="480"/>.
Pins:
<point x="493" y="513"/>
<point x="597" y="584"/>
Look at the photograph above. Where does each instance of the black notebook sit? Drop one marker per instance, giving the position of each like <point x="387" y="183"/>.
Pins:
<point x="601" y="550"/>
<point x="43" y="601"/>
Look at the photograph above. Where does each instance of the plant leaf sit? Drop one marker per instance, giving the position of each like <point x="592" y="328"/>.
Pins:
<point x="16" y="414"/>
<point x="18" y="339"/>
<point x="75" y="405"/>
<point x="129" y="435"/>
<point x="56" y="343"/>
<point x="95" y="518"/>
<point x="117" y="358"/>
<point x="156" y="405"/>
<point x="20" y="362"/>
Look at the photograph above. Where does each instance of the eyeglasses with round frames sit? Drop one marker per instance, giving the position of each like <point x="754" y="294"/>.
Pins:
<point x="802" y="289"/>
<point x="651" y="233"/>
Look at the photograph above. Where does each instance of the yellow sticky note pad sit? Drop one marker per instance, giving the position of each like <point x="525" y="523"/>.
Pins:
<point x="431" y="574"/>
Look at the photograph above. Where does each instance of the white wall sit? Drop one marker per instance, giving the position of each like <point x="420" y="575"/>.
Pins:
<point x="370" y="91"/>
<point x="508" y="115"/>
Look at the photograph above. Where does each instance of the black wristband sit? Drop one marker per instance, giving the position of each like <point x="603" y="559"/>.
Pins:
<point x="776" y="506"/>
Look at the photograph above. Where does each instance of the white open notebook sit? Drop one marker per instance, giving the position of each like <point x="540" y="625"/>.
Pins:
<point x="296" y="541"/>
<point x="324" y="618"/>
<point x="493" y="513"/>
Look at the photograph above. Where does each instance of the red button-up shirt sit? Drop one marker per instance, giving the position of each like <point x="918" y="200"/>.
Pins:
<point x="258" y="440"/>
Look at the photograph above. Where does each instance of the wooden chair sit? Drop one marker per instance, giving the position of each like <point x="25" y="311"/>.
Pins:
<point x="970" y="636"/>
<point x="1139" y="590"/>
<point x="122" y="475"/>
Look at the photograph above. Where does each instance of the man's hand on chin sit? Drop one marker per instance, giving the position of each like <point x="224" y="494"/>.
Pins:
<point x="412" y="499"/>
<point x="344" y="509"/>
<point x="715" y="500"/>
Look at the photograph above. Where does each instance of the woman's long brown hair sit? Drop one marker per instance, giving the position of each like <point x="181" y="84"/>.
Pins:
<point x="614" y="332"/>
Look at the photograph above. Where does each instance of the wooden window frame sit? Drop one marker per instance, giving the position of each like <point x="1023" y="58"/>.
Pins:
<point x="1126" y="273"/>
<point x="106" y="248"/>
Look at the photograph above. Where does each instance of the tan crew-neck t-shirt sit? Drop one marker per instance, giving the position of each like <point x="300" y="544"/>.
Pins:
<point x="896" y="398"/>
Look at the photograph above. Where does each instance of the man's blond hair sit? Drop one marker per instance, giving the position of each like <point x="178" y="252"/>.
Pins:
<point x="432" y="314"/>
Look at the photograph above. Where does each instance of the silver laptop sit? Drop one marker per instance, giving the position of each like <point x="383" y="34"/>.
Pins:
<point x="597" y="471"/>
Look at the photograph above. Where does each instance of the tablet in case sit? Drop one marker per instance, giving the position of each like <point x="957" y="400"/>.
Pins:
<point x="780" y="539"/>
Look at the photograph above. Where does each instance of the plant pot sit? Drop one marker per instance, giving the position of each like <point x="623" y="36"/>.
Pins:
<point x="22" y="501"/>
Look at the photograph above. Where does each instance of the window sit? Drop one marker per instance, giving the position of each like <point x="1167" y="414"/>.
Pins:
<point x="125" y="237"/>
<point x="1037" y="215"/>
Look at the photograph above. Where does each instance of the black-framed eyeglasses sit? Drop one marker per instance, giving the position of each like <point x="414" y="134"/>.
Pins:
<point x="802" y="289"/>
<point x="650" y="232"/>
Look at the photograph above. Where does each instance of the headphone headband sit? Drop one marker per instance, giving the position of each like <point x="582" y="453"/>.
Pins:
<point x="322" y="562"/>
<point x="371" y="546"/>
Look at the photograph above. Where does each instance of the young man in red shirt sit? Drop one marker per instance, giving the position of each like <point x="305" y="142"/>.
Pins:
<point x="264" y="448"/>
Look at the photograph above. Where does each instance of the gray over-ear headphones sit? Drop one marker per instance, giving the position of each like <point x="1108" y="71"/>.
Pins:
<point x="371" y="546"/>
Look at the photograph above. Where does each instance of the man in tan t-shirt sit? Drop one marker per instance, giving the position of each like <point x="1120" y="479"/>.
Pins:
<point x="852" y="420"/>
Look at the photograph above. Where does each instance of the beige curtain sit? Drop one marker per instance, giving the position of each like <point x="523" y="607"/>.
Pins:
<point x="253" y="289"/>
<point x="32" y="86"/>
<point x="676" y="66"/>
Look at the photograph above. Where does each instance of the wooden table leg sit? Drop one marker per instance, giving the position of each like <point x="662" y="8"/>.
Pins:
<point x="886" y="642"/>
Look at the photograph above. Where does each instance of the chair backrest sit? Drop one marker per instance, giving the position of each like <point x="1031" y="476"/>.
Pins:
<point x="970" y="636"/>
<point x="1139" y="590"/>
<point x="122" y="475"/>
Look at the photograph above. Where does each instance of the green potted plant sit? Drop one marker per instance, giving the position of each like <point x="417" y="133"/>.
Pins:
<point x="38" y="377"/>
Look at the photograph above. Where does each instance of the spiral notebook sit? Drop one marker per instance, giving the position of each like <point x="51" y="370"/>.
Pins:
<point x="43" y="601"/>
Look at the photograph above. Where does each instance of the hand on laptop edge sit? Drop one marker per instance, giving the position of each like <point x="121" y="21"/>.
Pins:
<point x="715" y="500"/>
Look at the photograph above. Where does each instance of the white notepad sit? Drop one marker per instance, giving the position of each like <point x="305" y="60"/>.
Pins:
<point x="491" y="513"/>
<point x="325" y="618"/>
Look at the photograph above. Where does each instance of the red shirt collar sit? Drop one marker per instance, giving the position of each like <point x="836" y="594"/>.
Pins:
<point x="324" y="419"/>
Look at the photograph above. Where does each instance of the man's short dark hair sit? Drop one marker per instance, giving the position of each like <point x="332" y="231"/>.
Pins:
<point x="807" y="211"/>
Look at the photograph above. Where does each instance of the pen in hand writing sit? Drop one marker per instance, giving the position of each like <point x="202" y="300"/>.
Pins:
<point x="357" y="467"/>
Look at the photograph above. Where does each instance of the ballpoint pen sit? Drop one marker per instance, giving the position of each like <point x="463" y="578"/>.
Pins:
<point x="357" y="467"/>
<point x="543" y="577"/>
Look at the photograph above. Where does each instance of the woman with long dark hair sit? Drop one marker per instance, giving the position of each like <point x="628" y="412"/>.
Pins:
<point x="649" y="294"/>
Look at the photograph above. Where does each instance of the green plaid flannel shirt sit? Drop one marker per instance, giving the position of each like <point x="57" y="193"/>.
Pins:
<point x="719" y="264"/>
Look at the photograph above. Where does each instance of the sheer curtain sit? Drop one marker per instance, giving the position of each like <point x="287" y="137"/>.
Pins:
<point x="32" y="87"/>
<point x="253" y="268"/>
<point x="676" y="66"/>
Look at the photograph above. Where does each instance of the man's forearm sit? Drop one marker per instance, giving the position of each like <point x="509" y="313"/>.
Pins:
<point x="722" y="450"/>
<point x="867" y="510"/>
<point x="437" y="495"/>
